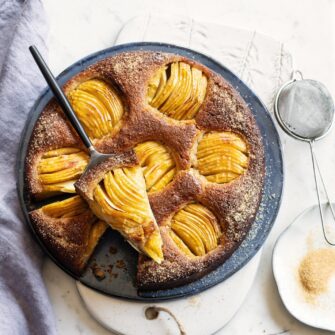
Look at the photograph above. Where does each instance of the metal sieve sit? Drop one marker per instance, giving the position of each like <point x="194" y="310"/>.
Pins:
<point x="304" y="109"/>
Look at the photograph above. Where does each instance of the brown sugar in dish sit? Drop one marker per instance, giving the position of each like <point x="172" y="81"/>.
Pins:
<point x="316" y="270"/>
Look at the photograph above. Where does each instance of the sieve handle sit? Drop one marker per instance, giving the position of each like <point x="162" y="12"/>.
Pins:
<point x="316" y="168"/>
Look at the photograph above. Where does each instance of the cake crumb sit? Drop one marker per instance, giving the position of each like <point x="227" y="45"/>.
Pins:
<point x="112" y="250"/>
<point x="120" y="264"/>
<point x="98" y="272"/>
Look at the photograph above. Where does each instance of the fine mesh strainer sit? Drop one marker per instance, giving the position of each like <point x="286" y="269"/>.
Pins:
<point x="304" y="109"/>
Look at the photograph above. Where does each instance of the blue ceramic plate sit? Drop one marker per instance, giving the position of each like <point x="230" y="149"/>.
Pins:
<point x="119" y="281"/>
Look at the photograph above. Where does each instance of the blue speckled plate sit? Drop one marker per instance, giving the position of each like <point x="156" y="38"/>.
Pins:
<point x="120" y="281"/>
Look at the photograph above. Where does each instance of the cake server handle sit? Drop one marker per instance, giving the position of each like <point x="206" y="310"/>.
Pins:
<point x="61" y="97"/>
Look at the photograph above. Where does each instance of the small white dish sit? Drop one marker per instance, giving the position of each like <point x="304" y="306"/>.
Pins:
<point x="302" y="236"/>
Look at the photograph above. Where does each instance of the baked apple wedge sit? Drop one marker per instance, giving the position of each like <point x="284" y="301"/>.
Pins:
<point x="98" y="107"/>
<point x="59" y="169"/>
<point x="222" y="156"/>
<point x="177" y="90"/>
<point x="197" y="228"/>
<point x="158" y="165"/>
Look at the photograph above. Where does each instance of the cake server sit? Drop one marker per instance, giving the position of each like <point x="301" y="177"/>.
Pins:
<point x="95" y="156"/>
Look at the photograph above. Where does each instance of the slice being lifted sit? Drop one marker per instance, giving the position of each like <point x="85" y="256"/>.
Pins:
<point x="119" y="197"/>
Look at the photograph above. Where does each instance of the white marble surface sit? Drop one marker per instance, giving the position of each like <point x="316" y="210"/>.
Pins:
<point x="220" y="303"/>
<point x="79" y="27"/>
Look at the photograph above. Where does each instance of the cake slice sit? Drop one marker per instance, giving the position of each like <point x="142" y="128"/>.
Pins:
<point x="69" y="230"/>
<point x="116" y="192"/>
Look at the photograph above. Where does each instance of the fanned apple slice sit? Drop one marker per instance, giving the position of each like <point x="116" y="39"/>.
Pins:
<point x="221" y="138"/>
<point x="156" y="84"/>
<point x="181" y="90"/>
<point x="214" y="165"/>
<point x="171" y="83"/>
<point x="184" y="95"/>
<point x="68" y="208"/>
<point x="190" y="237"/>
<point x="98" y="106"/>
<point x="61" y="151"/>
<point x="164" y="181"/>
<point x="162" y="82"/>
<point x="92" y="113"/>
<point x="180" y="111"/>
<point x="177" y="90"/>
<point x="202" y="216"/>
<point x="222" y="156"/>
<point x="107" y="96"/>
<point x="59" y="169"/>
<point x="159" y="167"/>
<point x="226" y="150"/>
<point x="64" y="187"/>
<point x="120" y="199"/>
<point x="180" y="244"/>
<point x="197" y="227"/>
<point x="223" y="177"/>
<point x="199" y="98"/>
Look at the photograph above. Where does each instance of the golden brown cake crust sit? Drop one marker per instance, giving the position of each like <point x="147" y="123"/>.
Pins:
<point x="130" y="73"/>
<point x="65" y="238"/>
<point x="234" y="204"/>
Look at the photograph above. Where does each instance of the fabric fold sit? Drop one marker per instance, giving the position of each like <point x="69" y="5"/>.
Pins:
<point x="24" y="303"/>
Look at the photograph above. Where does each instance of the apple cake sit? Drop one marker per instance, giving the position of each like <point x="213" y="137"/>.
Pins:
<point x="185" y="179"/>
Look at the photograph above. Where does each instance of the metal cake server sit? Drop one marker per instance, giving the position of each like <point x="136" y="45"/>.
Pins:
<point x="95" y="156"/>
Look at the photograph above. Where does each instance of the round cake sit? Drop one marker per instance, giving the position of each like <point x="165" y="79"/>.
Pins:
<point x="185" y="179"/>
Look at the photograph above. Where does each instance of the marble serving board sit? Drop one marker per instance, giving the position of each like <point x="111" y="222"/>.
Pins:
<point x="262" y="311"/>
<point x="264" y="64"/>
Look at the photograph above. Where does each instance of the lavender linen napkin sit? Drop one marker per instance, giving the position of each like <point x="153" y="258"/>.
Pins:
<point x="24" y="304"/>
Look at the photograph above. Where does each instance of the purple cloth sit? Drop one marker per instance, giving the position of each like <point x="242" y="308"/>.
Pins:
<point x="24" y="303"/>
